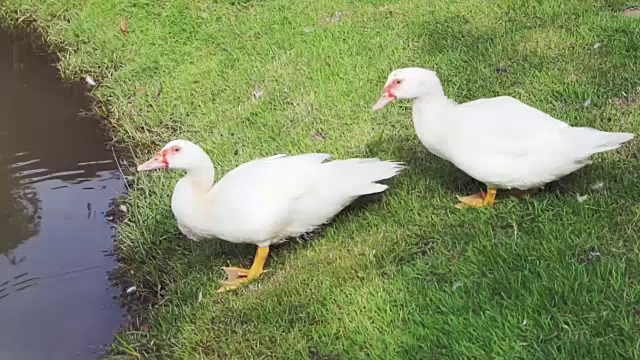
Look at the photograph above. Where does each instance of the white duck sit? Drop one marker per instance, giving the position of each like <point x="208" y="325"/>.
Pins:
<point x="264" y="201"/>
<point x="500" y="141"/>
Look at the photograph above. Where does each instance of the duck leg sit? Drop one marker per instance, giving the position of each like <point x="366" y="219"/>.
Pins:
<point x="479" y="199"/>
<point x="239" y="276"/>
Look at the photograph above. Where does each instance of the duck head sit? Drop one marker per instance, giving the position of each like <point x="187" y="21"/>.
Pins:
<point x="409" y="83"/>
<point x="179" y="155"/>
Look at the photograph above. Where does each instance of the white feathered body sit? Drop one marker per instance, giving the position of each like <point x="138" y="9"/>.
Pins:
<point x="506" y="143"/>
<point x="268" y="200"/>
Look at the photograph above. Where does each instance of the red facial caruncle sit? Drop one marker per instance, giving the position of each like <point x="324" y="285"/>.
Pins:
<point x="387" y="91"/>
<point x="166" y="152"/>
<point x="160" y="160"/>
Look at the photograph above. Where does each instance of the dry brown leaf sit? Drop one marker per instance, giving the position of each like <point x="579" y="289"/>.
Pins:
<point x="158" y="88"/>
<point x="336" y="17"/>
<point x="635" y="11"/>
<point x="257" y="93"/>
<point x="145" y="328"/>
<point x="123" y="26"/>
<point x="318" y="136"/>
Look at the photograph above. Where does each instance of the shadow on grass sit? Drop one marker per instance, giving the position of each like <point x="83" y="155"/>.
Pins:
<point x="445" y="175"/>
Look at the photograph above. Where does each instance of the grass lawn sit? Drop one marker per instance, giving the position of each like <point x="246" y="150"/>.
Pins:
<point x="404" y="275"/>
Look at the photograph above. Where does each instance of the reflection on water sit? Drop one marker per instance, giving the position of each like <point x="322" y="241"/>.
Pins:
<point x="19" y="217"/>
<point x="57" y="178"/>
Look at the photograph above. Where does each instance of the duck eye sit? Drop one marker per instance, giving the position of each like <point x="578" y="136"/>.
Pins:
<point x="398" y="81"/>
<point x="176" y="149"/>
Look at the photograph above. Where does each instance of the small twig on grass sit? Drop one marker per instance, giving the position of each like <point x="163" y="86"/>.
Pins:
<point x="115" y="158"/>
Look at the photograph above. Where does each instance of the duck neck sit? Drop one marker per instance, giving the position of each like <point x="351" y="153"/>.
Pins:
<point x="201" y="178"/>
<point x="429" y="103"/>
<point x="191" y="193"/>
<point x="429" y="119"/>
<point x="426" y="108"/>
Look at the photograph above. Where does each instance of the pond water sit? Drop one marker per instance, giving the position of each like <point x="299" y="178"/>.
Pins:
<point x="57" y="179"/>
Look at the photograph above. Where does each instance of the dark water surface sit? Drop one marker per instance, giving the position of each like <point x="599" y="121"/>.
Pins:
<point x="57" y="178"/>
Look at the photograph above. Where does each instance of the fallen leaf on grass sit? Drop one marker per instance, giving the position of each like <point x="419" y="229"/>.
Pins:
<point x="123" y="26"/>
<point x="626" y="100"/>
<point x="257" y="93"/>
<point x="318" y="136"/>
<point x="158" y="89"/>
<point x="632" y="11"/>
<point x="336" y="17"/>
<point x="145" y="328"/>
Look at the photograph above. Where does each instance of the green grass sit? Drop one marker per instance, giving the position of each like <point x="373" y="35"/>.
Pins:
<point x="403" y="276"/>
